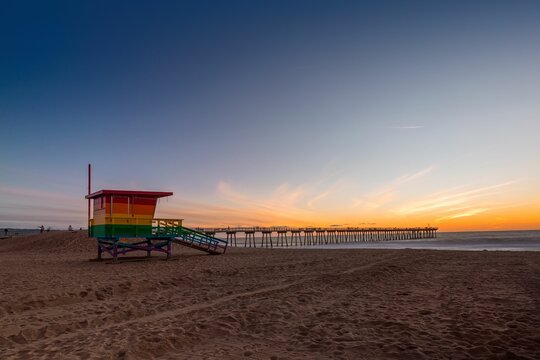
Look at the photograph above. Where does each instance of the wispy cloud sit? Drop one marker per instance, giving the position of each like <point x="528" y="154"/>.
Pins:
<point x="281" y="197"/>
<point x="411" y="177"/>
<point x="467" y="213"/>
<point x="389" y="192"/>
<point x="225" y="190"/>
<point x="321" y="201"/>
<point x="28" y="193"/>
<point x="407" y="127"/>
<point x="374" y="200"/>
<point x="332" y="189"/>
<point x="31" y="207"/>
<point x="451" y="201"/>
<point x="295" y="203"/>
<point x="198" y="213"/>
<point x="317" y="198"/>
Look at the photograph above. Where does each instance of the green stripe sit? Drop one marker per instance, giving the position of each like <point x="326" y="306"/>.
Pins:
<point x="121" y="231"/>
<point x="126" y="230"/>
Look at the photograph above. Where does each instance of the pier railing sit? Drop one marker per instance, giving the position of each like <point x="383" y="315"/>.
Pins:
<point x="282" y="236"/>
<point x="305" y="228"/>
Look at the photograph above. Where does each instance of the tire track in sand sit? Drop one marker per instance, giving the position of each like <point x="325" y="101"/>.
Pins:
<point x="191" y="308"/>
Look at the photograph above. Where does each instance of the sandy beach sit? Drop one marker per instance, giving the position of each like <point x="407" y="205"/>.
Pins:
<point x="266" y="304"/>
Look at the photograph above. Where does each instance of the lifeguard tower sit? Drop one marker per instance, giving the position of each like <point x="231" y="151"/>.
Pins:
<point x="119" y="215"/>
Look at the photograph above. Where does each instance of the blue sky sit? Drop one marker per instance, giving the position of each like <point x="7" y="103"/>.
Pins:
<point x="282" y="112"/>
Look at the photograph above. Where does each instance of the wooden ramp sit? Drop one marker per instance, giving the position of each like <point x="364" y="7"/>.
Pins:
<point x="201" y="241"/>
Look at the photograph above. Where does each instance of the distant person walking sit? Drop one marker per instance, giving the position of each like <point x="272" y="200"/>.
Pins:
<point x="5" y="232"/>
<point x="41" y="229"/>
<point x="70" y="228"/>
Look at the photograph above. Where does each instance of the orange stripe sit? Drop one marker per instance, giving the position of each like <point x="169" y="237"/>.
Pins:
<point x="122" y="221"/>
<point x="145" y="201"/>
<point x="143" y="210"/>
<point x="135" y="210"/>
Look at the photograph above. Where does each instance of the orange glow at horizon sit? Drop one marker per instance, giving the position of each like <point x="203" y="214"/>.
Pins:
<point x="408" y="200"/>
<point x="515" y="218"/>
<point x="401" y="202"/>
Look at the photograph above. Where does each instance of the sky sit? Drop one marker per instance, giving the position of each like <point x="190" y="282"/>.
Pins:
<point x="298" y="113"/>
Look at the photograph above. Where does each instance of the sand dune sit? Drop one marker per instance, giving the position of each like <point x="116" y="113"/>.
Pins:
<point x="266" y="304"/>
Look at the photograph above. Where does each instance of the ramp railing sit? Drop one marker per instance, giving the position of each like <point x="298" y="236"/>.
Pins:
<point x="201" y="241"/>
<point x="166" y="227"/>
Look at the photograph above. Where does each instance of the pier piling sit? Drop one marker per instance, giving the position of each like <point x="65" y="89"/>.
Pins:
<point x="290" y="236"/>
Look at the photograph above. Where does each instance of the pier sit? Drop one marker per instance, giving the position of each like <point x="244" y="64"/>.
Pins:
<point x="282" y="236"/>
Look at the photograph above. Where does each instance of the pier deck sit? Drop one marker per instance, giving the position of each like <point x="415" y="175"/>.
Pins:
<point x="282" y="236"/>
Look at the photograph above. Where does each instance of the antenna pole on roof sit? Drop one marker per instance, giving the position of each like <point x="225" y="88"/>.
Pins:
<point x="89" y="184"/>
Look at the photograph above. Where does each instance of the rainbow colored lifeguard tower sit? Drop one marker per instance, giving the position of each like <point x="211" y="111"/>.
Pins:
<point x="122" y="214"/>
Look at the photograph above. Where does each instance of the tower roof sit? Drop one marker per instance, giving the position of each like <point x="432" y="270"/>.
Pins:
<point x="148" y="194"/>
